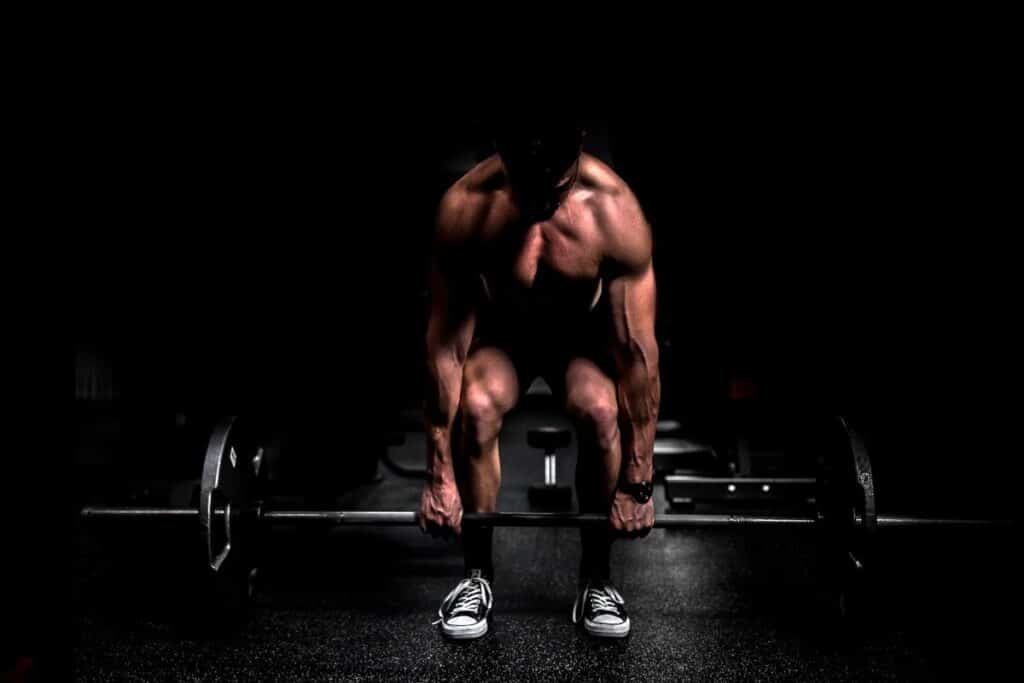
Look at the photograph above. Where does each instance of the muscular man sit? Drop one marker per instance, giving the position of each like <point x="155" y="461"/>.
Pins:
<point x="541" y="266"/>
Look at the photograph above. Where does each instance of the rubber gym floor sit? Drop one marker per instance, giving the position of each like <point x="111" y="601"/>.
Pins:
<point x="357" y="604"/>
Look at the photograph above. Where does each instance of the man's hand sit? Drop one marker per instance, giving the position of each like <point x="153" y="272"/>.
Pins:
<point x="629" y="518"/>
<point x="441" y="509"/>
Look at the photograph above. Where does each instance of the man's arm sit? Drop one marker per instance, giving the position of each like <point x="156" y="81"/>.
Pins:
<point x="449" y="333"/>
<point x="638" y="382"/>
<point x="632" y="295"/>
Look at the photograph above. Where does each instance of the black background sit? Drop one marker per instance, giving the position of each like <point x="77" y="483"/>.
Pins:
<point x="831" y="236"/>
<point x="263" y="244"/>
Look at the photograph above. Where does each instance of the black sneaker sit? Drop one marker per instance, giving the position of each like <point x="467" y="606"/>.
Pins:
<point x="465" y="609"/>
<point x="602" y="610"/>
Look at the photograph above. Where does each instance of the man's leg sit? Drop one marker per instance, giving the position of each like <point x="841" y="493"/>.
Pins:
<point x="490" y="389"/>
<point x="592" y="405"/>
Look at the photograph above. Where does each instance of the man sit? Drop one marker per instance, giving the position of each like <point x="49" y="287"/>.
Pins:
<point x="541" y="265"/>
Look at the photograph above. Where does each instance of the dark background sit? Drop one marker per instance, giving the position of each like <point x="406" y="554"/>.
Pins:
<point x="830" y="242"/>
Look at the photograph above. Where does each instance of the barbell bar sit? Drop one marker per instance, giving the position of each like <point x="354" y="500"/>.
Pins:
<point x="524" y="519"/>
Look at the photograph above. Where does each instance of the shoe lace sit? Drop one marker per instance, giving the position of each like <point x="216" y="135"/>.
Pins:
<point x="599" y="599"/>
<point x="602" y="601"/>
<point x="468" y="595"/>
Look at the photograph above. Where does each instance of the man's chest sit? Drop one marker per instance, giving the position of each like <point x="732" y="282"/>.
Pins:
<point x="545" y="267"/>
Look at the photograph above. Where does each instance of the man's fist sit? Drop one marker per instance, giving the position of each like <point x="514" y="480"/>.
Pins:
<point x="629" y="518"/>
<point x="441" y="509"/>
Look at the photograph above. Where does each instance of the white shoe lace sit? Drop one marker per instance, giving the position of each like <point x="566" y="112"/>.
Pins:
<point x="470" y="593"/>
<point x="599" y="599"/>
<point x="470" y="598"/>
<point x="602" y="601"/>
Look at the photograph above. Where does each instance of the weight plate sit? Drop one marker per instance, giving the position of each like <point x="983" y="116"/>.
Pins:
<point x="847" y="512"/>
<point x="227" y="510"/>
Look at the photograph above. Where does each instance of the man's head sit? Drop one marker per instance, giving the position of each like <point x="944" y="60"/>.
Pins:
<point x="541" y="159"/>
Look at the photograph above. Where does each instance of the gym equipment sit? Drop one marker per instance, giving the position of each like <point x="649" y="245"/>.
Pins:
<point x="228" y="512"/>
<point x="668" y="429"/>
<point x="685" y="491"/>
<point x="550" y="494"/>
<point x="232" y="515"/>
<point x="684" y="456"/>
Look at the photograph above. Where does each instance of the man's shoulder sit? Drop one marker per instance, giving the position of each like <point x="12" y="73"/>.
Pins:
<point x="620" y="218"/>
<point x="601" y="178"/>
<point x="467" y="203"/>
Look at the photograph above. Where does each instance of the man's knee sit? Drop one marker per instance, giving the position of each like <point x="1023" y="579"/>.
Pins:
<point x="596" y="413"/>
<point x="483" y="408"/>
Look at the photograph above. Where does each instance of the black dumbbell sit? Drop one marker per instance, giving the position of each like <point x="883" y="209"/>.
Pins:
<point x="550" y="494"/>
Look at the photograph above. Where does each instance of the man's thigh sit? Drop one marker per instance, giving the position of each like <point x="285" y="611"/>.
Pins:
<point x="581" y="367"/>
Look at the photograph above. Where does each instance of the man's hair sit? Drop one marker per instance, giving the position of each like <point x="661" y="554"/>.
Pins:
<point x="538" y="146"/>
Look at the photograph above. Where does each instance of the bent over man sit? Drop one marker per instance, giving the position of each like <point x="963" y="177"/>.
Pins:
<point x="541" y="265"/>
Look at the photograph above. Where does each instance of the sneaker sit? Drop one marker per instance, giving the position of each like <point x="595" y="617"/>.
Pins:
<point x="465" y="610"/>
<point x="602" y="610"/>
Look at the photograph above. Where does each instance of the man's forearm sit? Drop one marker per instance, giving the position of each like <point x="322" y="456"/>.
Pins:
<point x="639" y="393"/>
<point x="439" y="415"/>
<point x="439" y="454"/>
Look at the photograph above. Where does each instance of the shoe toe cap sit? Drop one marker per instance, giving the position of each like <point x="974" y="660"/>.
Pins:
<point x="609" y="619"/>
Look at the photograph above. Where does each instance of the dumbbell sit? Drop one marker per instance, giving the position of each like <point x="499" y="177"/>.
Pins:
<point x="550" y="494"/>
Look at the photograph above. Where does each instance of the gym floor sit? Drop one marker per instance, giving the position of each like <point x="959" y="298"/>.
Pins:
<point x="357" y="604"/>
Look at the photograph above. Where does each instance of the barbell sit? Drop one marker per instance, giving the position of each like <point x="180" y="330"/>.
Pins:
<point x="232" y="513"/>
<point x="516" y="519"/>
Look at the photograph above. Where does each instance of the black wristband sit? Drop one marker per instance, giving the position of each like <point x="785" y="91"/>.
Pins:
<point x="640" y="491"/>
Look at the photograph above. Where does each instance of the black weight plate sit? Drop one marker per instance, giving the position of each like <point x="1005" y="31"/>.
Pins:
<point x="226" y="512"/>
<point x="847" y="513"/>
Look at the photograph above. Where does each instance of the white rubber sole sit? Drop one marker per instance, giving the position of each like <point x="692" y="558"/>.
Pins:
<point x="607" y="630"/>
<point x="467" y="632"/>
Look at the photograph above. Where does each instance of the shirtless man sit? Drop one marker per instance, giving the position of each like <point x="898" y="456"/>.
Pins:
<point x="541" y="266"/>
